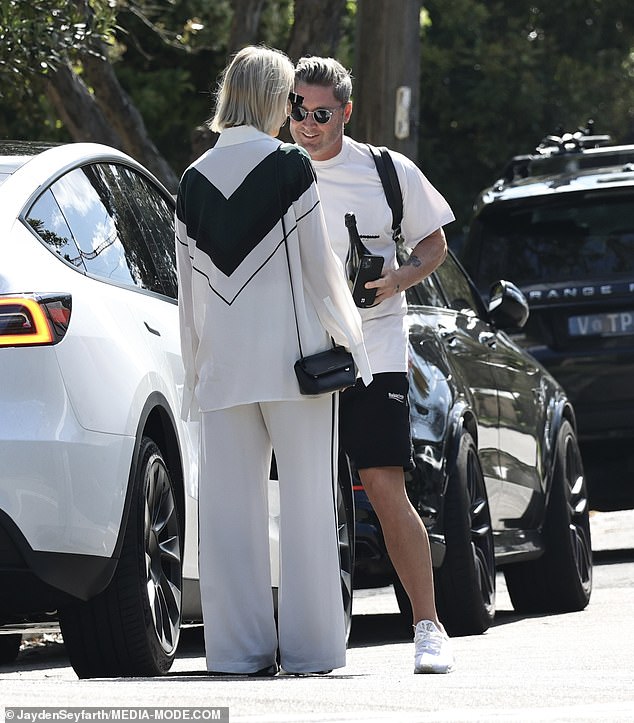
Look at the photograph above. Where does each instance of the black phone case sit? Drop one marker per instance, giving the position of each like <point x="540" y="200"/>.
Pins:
<point x="370" y="268"/>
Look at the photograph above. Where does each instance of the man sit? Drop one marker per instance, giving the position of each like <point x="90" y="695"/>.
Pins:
<point x="374" y="421"/>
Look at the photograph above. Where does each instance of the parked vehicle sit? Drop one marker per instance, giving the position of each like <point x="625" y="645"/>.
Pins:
<point x="499" y="480"/>
<point x="559" y="223"/>
<point x="97" y="473"/>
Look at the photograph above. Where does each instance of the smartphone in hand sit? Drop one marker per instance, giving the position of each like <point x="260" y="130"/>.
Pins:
<point x="370" y="268"/>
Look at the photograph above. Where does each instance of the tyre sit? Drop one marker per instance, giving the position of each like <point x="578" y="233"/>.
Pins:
<point x="465" y="583"/>
<point x="132" y="627"/>
<point x="345" y="527"/>
<point x="561" y="579"/>
<point x="9" y="648"/>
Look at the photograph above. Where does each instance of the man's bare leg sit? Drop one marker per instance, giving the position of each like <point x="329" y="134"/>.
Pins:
<point x="405" y="537"/>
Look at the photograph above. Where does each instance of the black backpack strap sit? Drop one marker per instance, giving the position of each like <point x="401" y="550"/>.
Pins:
<point x="391" y="186"/>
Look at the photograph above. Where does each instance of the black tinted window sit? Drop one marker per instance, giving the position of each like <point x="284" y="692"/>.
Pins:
<point x="104" y="209"/>
<point x="457" y="289"/>
<point x="576" y="238"/>
<point x="47" y="220"/>
<point x="105" y="226"/>
<point x="426" y="293"/>
<point x="156" y="219"/>
<point x="111" y="221"/>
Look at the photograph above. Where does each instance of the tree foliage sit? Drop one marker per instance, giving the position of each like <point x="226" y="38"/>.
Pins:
<point x="36" y="36"/>
<point x="495" y="76"/>
<point x="496" y="79"/>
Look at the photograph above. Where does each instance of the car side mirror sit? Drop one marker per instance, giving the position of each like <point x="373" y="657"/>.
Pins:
<point x="508" y="307"/>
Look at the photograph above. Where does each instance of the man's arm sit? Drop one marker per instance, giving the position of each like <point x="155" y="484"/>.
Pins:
<point x="426" y="256"/>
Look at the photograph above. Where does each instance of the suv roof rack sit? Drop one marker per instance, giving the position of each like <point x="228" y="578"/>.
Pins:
<point x="567" y="151"/>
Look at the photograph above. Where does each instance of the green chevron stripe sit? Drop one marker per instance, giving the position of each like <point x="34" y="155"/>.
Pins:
<point x="228" y="229"/>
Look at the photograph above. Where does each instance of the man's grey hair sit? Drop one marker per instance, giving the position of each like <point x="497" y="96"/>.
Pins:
<point x="328" y="72"/>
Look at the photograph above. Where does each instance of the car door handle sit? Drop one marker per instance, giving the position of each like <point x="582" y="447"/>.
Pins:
<point x="152" y="330"/>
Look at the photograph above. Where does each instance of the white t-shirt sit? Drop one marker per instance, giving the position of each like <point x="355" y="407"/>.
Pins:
<point x="349" y="182"/>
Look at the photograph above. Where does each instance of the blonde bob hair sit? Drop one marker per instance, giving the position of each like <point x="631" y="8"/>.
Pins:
<point x="254" y="90"/>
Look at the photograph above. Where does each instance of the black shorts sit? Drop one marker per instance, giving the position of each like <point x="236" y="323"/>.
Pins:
<point x="374" y="425"/>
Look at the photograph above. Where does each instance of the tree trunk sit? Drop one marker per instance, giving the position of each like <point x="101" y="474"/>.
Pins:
<point x="119" y="110"/>
<point x="105" y="116"/>
<point x="77" y="108"/>
<point x="316" y="28"/>
<point x="245" y="24"/>
<point x="387" y="67"/>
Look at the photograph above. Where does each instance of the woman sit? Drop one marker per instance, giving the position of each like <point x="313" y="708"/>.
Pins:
<point x="239" y="344"/>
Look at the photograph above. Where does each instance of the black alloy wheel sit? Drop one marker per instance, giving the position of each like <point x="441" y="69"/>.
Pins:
<point x="465" y="583"/>
<point x="561" y="579"/>
<point x="132" y="628"/>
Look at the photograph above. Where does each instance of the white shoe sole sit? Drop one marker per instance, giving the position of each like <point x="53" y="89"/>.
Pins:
<point x="434" y="670"/>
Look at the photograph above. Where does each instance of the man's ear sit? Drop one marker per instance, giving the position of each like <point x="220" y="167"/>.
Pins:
<point x="347" y="111"/>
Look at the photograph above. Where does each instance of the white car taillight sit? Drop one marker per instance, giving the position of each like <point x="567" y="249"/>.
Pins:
<point x="34" y="319"/>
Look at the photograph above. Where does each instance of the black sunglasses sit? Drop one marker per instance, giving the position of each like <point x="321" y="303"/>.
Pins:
<point x="295" y="98"/>
<point x="321" y="115"/>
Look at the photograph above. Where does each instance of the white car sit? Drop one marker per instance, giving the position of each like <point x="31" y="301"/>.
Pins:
<point x="98" y="476"/>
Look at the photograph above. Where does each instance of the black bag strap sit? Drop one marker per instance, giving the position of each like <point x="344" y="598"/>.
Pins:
<point x="391" y="186"/>
<point x="288" y="261"/>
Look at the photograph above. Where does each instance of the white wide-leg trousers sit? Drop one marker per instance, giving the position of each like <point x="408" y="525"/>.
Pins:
<point x="234" y="558"/>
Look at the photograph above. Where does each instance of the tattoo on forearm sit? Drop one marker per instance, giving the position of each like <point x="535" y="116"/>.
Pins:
<point x="413" y="261"/>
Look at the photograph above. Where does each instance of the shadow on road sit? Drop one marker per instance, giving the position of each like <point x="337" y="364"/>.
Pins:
<point x="611" y="557"/>
<point x="367" y="629"/>
<point x="379" y="629"/>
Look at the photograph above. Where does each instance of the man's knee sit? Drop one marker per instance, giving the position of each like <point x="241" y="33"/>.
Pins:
<point x="383" y="484"/>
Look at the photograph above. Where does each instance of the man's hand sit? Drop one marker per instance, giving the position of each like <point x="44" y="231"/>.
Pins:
<point x="388" y="285"/>
<point x="426" y="256"/>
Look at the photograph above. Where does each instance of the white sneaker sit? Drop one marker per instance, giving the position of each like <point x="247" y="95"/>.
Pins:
<point x="433" y="653"/>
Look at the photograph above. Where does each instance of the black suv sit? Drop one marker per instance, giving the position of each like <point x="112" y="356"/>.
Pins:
<point x="559" y="223"/>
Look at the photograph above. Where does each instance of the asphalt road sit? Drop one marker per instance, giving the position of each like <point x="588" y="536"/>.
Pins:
<point x="573" y="667"/>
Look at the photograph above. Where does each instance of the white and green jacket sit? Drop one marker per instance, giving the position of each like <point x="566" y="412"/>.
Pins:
<point x="238" y="334"/>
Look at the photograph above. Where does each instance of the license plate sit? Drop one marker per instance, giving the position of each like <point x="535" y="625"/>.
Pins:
<point x="608" y="324"/>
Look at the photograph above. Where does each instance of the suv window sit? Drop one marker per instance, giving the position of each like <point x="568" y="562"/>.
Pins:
<point x="156" y="221"/>
<point x="425" y="293"/>
<point x="47" y="220"/>
<point x="107" y="220"/>
<point x="459" y="293"/>
<point x="578" y="237"/>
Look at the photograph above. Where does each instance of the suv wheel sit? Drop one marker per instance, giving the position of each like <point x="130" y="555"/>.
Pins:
<point x="561" y="579"/>
<point x="465" y="583"/>
<point x="132" y="627"/>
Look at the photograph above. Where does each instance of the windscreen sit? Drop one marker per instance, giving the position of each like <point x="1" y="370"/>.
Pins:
<point x="580" y="237"/>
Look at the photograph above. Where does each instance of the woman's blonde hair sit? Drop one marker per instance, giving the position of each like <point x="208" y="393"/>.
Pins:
<point x="254" y="90"/>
